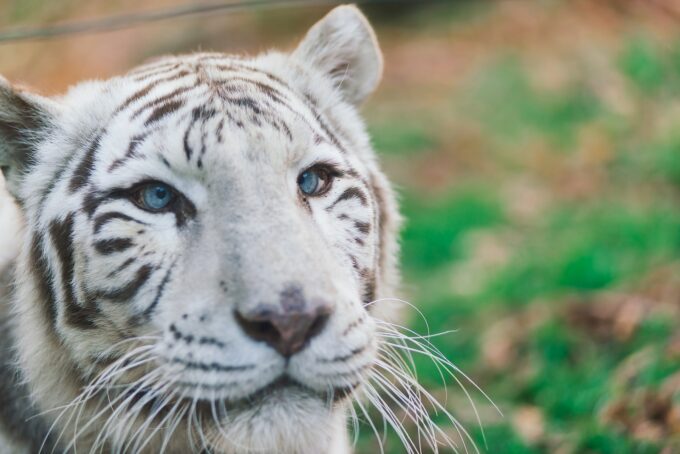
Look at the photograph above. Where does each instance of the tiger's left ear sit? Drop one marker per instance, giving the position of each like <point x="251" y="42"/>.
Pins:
<point x="343" y="46"/>
<point x="25" y="118"/>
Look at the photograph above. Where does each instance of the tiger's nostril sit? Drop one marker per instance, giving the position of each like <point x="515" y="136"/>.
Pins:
<point x="286" y="331"/>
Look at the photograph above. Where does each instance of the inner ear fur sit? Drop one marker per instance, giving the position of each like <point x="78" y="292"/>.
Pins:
<point x="343" y="46"/>
<point x="25" y="118"/>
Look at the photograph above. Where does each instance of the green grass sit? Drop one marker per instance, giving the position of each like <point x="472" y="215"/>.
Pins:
<point x="434" y="227"/>
<point x="579" y="253"/>
<point x="588" y="248"/>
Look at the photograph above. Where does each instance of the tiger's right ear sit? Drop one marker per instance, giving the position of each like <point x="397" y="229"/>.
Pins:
<point x="25" y="119"/>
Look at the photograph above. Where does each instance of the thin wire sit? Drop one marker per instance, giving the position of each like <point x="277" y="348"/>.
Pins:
<point x="117" y="22"/>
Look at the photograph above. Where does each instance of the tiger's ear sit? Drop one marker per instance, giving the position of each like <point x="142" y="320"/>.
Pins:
<point x="343" y="46"/>
<point x="25" y="118"/>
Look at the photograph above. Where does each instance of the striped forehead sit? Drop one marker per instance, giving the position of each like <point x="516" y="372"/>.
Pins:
<point x="208" y="100"/>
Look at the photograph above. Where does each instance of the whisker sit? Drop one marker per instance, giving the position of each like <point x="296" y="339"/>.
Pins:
<point x="371" y="423"/>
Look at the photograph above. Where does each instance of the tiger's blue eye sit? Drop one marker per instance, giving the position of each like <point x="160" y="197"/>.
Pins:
<point x="156" y="196"/>
<point x="308" y="182"/>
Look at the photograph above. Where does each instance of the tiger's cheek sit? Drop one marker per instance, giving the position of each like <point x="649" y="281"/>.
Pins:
<point x="123" y="264"/>
<point x="349" y="232"/>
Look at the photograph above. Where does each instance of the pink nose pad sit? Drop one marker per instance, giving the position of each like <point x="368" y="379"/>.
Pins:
<point x="286" y="331"/>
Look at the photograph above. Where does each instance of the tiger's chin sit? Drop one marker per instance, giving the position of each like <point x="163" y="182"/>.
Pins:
<point x="285" y="417"/>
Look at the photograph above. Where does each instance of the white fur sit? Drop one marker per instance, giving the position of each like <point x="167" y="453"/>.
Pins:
<point x="10" y="222"/>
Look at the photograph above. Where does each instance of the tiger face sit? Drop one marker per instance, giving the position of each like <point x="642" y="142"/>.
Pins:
<point x="205" y="239"/>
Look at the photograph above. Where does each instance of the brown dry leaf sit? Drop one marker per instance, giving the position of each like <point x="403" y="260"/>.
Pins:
<point x="488" y="251"/>
<point x="626" y="374"/>
<point x="671" y="385"/>
<point x="663" y="286"/>
<point x="529" y="423"/>
<point x="649" y="415"/>
<point x="503" y="341"/>
<point x="609" y="316"/>
<point x="525" y="200"/>
<point x="500" y="344"/>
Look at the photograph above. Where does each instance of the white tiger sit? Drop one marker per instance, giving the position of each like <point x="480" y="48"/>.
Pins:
<point x="205" y="238"/>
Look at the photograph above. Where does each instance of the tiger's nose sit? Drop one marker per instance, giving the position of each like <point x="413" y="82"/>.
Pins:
<point x="287" y="327"/>
<point x="287" y="332"/>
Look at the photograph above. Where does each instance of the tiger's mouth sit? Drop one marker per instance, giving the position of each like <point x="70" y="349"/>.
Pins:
<point x="285" y="384"/>
<point x="279" y="389"/>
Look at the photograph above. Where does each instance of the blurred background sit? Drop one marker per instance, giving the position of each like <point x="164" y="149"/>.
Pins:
<point x="536" y="149"/>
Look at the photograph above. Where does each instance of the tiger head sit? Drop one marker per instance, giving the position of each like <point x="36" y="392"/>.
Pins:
<point x="205" y="240"/>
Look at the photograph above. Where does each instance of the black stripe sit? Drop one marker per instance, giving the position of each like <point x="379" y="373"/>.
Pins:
<point x="135" y="142"/>
<point x="368" y="294"/>
<point x="343" y="358"/>
<point x="161" y="100"/>
<point x="234" y="66"/>
<point x="311" y="100"/>
<point x="203" y="113"/>
<point x="135" y="97"/>
<point x="163" y="111"/>
<point x="62" y="239"/>
<point x="128" y="291"/>
<point x="286" y="129"/>
<point x="103" y="219"/>
<point x="84" y="170"/>
<point x="43" y="279"/>
<point x="243" y="101"/>
<point x="381" y="222"/>
<point x="327" y="130"/>
<point x="144" y="317"/>
<point x="63" y="166"/>
<point x="125" y="264"/>
<point x="220" y="127"/>
<point x="348" y="194"/>
<point x="356" y="323"/>
<point x="155" y="71"/>
<point x="210" y="367"/>
<point x="272" y="92"/>
<point x="113" y="245"/>
<point x="363" y="227"/>
<point x="199" y="162"/>
<point x="188" y="151"/>
<point x="91" y="201"/>
<point x="152" y="66"/>
<point x="145" y="90"/>
<point x="198" y="113"/>
<point x="355" y="263"/>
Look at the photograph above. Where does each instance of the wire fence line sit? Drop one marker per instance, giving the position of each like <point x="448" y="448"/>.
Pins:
<point x="128" y="20"/>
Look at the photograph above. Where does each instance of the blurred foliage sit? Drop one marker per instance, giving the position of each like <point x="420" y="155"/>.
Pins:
<point x="508" y="106"/>
<point x="554" y="250"/>
<point x="432" y="241"/>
